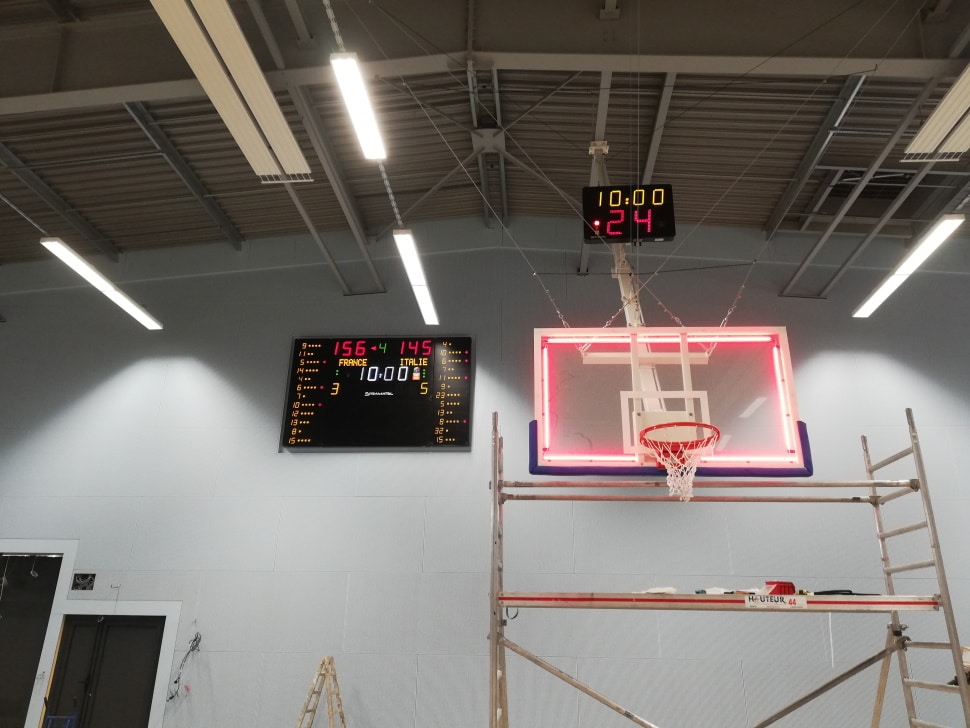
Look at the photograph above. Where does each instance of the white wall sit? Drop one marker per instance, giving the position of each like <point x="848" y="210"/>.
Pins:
<point x="157" y="452"/>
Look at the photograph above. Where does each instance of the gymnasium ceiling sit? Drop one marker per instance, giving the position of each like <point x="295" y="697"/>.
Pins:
<point x="773" y="115"/>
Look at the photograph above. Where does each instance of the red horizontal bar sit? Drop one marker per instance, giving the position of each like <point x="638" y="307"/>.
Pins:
<point x="888" y="603"/>
<point x="635" y="600"/>
<point x="727" y="599"/>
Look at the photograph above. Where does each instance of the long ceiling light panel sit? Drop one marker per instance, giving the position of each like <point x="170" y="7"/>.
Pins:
<point x="84" y="269"/>
<point x="945" y="135"/>
<point x="209" y="36"/>
<point x="346" y="69"/>
<point x="419" y="284"/>
<point x="933" y="239"/>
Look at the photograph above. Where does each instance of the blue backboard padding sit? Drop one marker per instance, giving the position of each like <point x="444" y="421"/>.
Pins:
<point x="734" y="472"/>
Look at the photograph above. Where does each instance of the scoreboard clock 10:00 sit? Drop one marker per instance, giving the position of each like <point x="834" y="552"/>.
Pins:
<point x="628" y="213"/>
<point x="379" y="393"/>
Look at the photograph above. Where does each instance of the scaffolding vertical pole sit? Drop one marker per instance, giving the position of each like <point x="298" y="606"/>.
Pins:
<point x="497" y="688"/>
<point x="883" y="681"/>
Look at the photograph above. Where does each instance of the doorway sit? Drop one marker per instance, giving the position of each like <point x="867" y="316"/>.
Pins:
<point x="27" y="586"/>
<point x="105" y="672"/>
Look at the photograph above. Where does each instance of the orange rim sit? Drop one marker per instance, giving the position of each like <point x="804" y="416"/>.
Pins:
<point x="676" y="447"/>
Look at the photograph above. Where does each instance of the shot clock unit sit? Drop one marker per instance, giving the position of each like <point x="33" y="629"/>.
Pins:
<point x="628" y="213"/>
<point x="379" y="393"/>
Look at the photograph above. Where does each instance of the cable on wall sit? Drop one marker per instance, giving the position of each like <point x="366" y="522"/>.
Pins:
<point x="177" y="682"/>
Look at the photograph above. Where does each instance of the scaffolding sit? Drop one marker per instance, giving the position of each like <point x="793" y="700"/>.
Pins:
<point x="872" y="491"/>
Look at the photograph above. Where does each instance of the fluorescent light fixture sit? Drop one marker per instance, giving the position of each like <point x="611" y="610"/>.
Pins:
<point x="356" y="99"/>
<point x="80" y="266"/>
<point x="409" y="256"/>
<point x="422" y="294"/>
<point x="412" y="266"/>
<point x="223" y="62"/>
<point x="933" y="239"/>
<point x="946" y="134"/>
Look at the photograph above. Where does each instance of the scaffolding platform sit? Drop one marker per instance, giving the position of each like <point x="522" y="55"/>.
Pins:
<point x="872" y="492"/>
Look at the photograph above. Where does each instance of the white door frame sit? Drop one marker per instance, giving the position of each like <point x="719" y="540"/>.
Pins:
<point x="62" y="606"/>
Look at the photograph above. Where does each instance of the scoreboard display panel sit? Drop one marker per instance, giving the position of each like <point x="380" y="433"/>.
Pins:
<point x="379" y="393"/>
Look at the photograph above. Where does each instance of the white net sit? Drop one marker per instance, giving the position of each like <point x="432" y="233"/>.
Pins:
<point x="679" y="458"/>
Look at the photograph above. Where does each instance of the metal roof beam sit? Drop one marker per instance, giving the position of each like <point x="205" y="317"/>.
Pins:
<point x="598" y="147"/>
<point x="543" y="178"/>
<point x="313" y="126"/>
<point x="311" y="228"/>
<point x="471" y="81"/>
<point x="832" y="178"/>
<point x="877" y="228"/>
<point x="502" y="173"/>
<point x="40" y="188"/>
<point x="63" y="10"/>
<point x="857" y="190"/>
<point x="483" y="188"/>
<point x="893" y="170"/>
<point x="937" y="13"/>
<point x="462" y="166"/>
<point x="304" y="37"/>
<point x="850" y="88"/>
<point x="956" y="50"/>
<point x="907" y="68"/>
<point x="602" y="106"/>
<point x="318" y="138"/>
<point x="543" y="100"/>
<point x="659" y="122"/>
<point x="749" y="66"/>
<point x="147" y="124"/>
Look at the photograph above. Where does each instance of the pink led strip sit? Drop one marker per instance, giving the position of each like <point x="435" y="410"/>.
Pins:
<point x="711" y="460"/>
<point x="691" y="339"/>
<point x="546" y="433"/>
<point x="787" y="419"/>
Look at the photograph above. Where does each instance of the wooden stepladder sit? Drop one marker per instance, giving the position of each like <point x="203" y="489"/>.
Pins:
<point x="325" y="680"/>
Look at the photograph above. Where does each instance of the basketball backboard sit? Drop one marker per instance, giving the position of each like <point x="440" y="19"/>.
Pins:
<point x="596" y="390"/>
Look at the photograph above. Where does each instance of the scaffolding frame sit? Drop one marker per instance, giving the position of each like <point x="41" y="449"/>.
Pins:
<point x="877" y="494"/>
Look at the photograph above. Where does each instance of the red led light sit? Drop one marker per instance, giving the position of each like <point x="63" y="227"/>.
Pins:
<point x="614" y="228"/>
<point x="646" y="221"/>
<point x="593" y="344"/>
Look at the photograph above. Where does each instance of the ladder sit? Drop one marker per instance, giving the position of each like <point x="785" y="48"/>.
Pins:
<point x="325" y="679"/>
<point x="897" y="641"/>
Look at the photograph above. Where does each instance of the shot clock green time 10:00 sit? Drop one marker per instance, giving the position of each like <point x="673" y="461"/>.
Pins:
<point x="628" y="213"/>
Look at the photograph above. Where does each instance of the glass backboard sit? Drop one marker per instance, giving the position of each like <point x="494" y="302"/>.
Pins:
<point x="596" y="390"/>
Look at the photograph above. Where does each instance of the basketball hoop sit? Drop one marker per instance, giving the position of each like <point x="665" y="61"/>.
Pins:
<point x="679" y="457"/>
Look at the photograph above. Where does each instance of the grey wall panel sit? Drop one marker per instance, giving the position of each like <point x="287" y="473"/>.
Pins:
<point x="159" y="452"/>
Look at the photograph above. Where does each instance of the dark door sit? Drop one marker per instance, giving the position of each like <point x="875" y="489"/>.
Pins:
<point x="27" y="586"/>
<point x="105" y="670"/>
